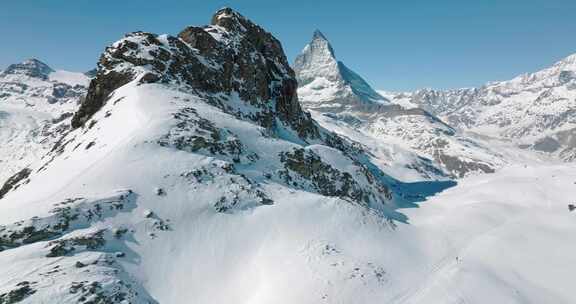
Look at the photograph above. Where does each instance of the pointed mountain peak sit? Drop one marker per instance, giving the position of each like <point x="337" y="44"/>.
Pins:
<point x="317" y="54"/>
<point x="320" y="44"/>
<point x="318" y="35"/>
<point x="231" y="20"/>
<point x="317" y="66"/>
<point x="30" y="67"/>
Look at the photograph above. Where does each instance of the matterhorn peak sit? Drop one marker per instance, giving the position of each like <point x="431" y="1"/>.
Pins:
<point x="318" y="70"/>
<point x="318" y="38"/>
<point x="318" y="35"/>
<point x="318" y="54"/>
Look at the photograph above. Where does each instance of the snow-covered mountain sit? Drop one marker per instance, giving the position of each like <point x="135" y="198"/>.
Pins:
<point x="326" y="83"/>
<point x="36" y="104"/>
<point x="411" y="141"/>
<point x="536" y="110"/>
<point x="192" y="172"/>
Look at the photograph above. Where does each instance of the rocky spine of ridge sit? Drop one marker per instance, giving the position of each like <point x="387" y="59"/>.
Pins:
<point x="232" y="55"/>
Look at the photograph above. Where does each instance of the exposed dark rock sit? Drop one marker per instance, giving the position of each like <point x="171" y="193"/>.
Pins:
<point x="160" y="192"/>
<point x="231" y="55"/>
<point x="31" y="67"/>
<point x="547" y="144"/>
<point x="66" y="214"/>
<point x="459" y="167"/>
<point x="329" y="181"/>
<point x="98" y="91"/>
<point x="79" y="264"/>
<point x="14" y="181"/>
<point x="65" y="246"/>
<point x="20" y="292"/>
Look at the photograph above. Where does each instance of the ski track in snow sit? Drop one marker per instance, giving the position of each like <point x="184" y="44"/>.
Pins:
<point x="443" y="271"/>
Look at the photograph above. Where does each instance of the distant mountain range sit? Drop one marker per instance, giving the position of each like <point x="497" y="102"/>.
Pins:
<point x="535" y="111"/>
<point x="36" y="105"/>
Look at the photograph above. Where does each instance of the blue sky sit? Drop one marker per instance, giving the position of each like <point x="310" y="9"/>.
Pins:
<point x="395" y="45"/>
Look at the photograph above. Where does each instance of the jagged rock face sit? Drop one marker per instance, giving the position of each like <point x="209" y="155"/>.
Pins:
<point x="325" y="82"/>
<point x="230" y="56"/>
<point x="535" y="110"/>
<point x="317" y="58"/>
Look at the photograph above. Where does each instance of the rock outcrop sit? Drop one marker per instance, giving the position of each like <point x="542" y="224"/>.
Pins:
<point x="230" y="56"/>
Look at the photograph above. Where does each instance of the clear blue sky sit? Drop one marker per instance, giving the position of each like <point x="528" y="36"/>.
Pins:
<point x="395" y="45"/>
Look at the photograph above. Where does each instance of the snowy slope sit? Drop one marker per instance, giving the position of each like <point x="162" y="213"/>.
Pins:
<point x="191" y="169"/>
<point x="36" y="104"/>
<point x="418" y="144"/>
<point x="533" y="110"/>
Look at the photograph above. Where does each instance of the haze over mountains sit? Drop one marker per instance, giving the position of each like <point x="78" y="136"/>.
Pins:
<point x="202" y="167"/>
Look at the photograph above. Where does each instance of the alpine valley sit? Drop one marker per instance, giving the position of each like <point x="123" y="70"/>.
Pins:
<point x="202" y="167"/>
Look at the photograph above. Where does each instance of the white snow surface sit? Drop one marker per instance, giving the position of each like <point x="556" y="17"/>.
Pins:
<point x="497" y="238"/>
<point x="34" y="111"/>
<point x="71" y="78"/>
<point x="534" y="110"/>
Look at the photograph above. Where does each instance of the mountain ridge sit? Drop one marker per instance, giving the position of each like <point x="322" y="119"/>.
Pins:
<point x="36" y="103"/>
<point x="534" y="110"/>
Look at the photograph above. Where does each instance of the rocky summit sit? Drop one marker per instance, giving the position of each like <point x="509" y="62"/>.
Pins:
<point x="230" y="55"/>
